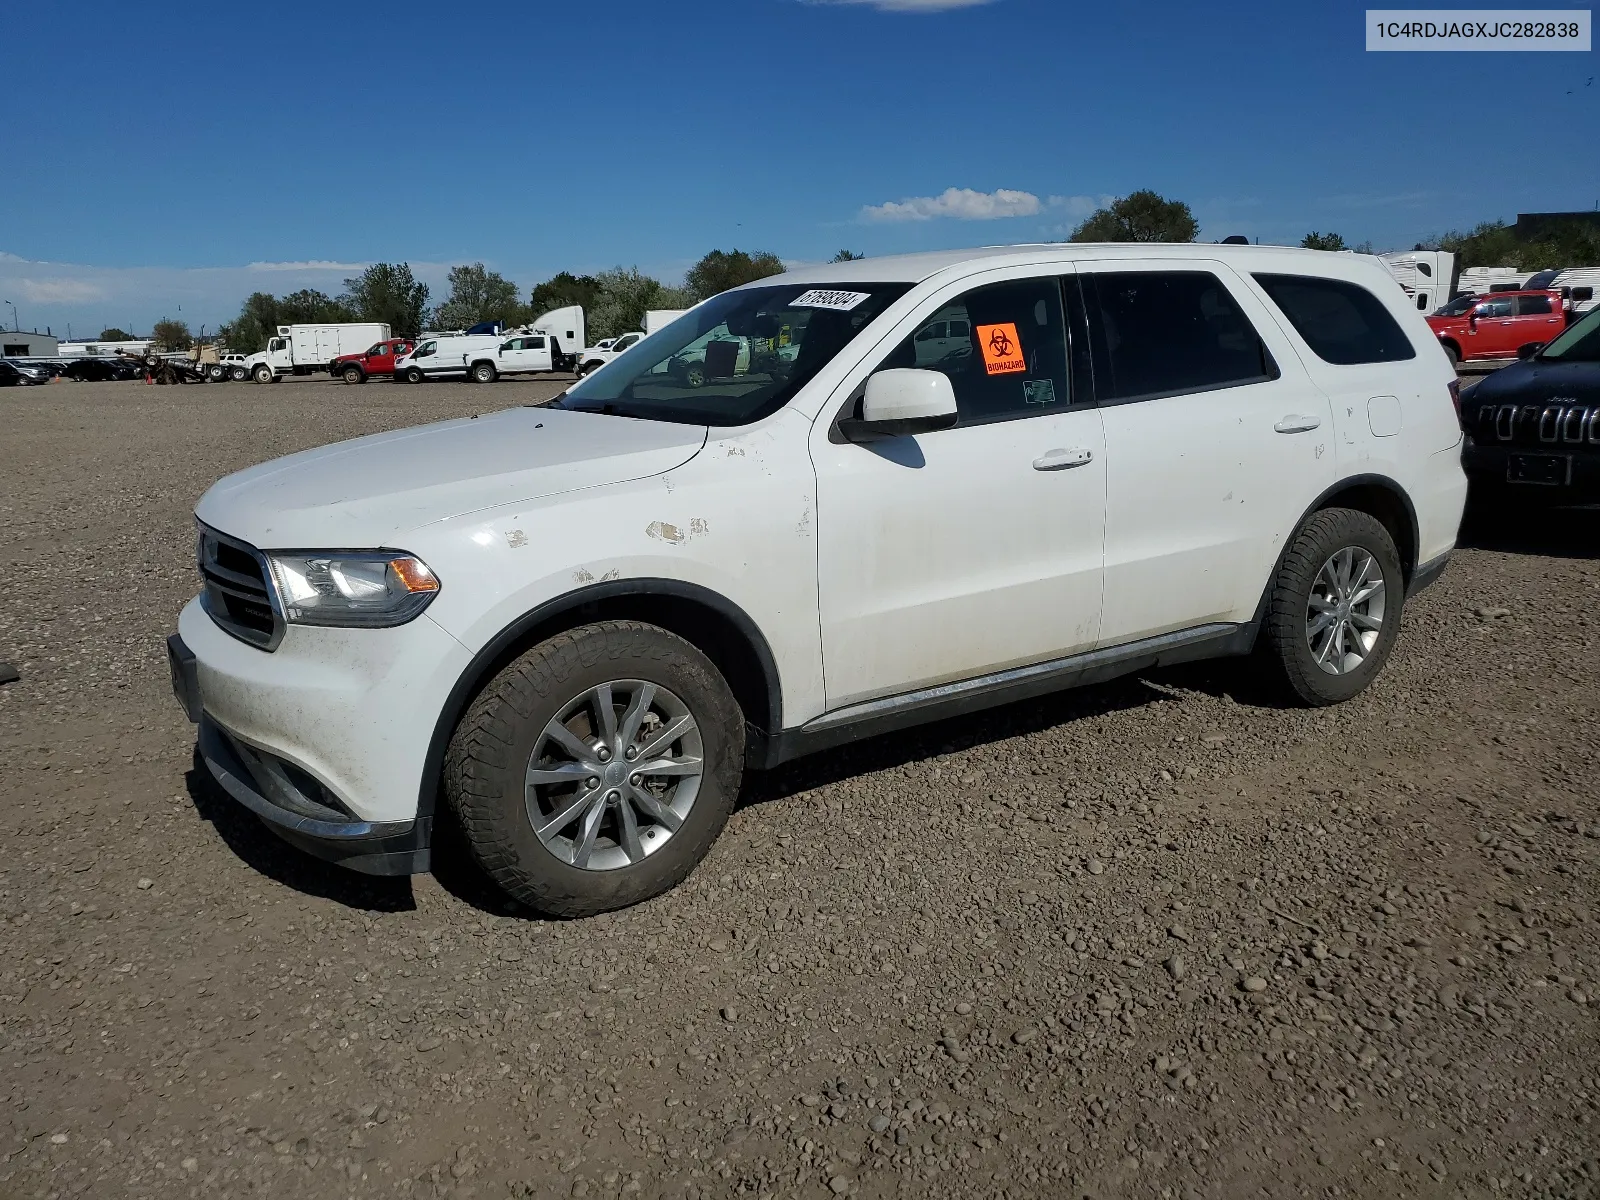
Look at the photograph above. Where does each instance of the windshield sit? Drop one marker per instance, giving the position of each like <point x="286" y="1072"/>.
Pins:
<point x="1580" y="342"/>
<point x="736" y="358"/>
<point x="1456" y="308"/>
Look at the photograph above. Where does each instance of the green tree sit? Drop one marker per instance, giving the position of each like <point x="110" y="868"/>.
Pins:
<point x="171" y="335"/>
<point x="623" y="297"/>
<point x="257" y="321"/>
<point x="1142" y="216"/>
<point x="1496" y="244"/>
<point x="115" y="335"/>
<point x="311" y="307"/>
<point x="478" y="294"/>
<point x="389" y="293"/>
<point x="1323" y="241"/>
<point x="846" y="256"/>
<point x="562" y="290"/>
<point x="724" y="269"/>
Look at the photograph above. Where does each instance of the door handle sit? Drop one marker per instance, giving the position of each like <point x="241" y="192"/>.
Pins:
<point x="1063" y="460"/>
<point x="1297" y="424"/>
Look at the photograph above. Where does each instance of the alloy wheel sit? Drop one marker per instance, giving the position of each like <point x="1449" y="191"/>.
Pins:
<point x="1344" y="613"/>
<point x="614" y="774"/>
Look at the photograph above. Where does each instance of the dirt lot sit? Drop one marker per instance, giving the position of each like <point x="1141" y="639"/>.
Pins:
<point x="1160" y="938"/>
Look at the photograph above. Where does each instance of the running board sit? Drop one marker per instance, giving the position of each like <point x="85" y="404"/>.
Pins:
<point x="889" y="713"/>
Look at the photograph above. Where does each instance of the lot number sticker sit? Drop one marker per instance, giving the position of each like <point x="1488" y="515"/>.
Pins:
<point x="837" y="301"/>
<point x="1002" y="349"/>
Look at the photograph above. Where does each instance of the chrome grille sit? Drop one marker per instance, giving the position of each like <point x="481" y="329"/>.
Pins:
<point x="234" y="589"/>
<point x="1549" y="424"/>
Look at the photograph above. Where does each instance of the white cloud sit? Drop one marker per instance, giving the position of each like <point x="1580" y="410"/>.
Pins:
<point x="961" y="204"/>
<point x="315" y="264"/>
<point x="57" y="291"/>
<point x="914" y="6"/>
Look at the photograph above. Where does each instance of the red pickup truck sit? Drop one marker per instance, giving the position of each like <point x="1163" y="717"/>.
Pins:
<point x="378" y="359"/>
<point x="1498" y="325"/>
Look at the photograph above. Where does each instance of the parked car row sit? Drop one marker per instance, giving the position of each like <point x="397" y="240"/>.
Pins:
<point x="15" y="372"/>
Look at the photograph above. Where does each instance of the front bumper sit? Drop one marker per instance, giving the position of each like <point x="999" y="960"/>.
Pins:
<point x="293" y="805"/>
<point x="1488" y="469"/>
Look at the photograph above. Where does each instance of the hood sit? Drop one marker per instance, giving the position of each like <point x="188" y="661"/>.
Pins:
<point x="1536" y="382"/>
<point x="369" y="492"/>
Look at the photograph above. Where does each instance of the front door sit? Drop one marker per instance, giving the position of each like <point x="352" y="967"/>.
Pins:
<point x="1491" y="329"/>
<point x="969" y="550"/>
<point x="1217" y="441"/>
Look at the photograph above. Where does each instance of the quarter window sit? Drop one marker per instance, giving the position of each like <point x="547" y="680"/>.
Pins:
<point x="1004" y="348"/>
<point x="1342" y="322"/>
<point x="1171" y="333"/>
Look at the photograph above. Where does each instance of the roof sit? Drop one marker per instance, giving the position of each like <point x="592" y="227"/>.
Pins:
<point x="914" y="268"/>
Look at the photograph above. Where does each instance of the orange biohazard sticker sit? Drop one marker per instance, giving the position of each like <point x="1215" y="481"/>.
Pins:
<point x="1002" y="349"/>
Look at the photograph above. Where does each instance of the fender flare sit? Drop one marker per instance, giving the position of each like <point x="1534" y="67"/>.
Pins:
<point x="498" y="650"/>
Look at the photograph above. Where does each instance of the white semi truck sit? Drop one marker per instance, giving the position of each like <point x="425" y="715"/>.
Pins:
<point x="302" y="349"/>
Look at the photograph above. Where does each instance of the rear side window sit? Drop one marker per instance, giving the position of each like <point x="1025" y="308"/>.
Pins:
<point x="1342" y="322"/>
<point x="1529" y="306"/>
<point x="1169" y="333"/>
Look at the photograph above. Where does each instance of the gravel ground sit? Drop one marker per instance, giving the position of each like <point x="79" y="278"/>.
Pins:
<point x="1159" y="938"/>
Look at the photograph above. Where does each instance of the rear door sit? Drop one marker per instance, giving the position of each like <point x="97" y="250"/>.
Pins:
<point x="1539" y="318"/>
<point x="1216" y="441"/>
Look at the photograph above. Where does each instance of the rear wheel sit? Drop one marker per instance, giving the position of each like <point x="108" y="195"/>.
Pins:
<point x="239" y="374"/>
<point x="483" y="372"/>
<point x="216" y="373"/>
<point x="354" y="374"/>
<point x="596" y="770"/>
<point x="1335" y="607"/>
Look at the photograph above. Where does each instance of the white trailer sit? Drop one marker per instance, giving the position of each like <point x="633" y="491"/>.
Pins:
<point x="660" y="318"/>
<point x="302" y="349"/>
<point x="1426" y="276"/>
<point x="566" y="325"/>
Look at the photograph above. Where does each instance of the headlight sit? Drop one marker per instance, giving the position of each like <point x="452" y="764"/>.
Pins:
<point x="367" y="590"/>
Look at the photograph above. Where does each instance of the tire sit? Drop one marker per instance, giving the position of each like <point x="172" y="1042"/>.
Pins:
<point x="239" y="374"/>
<point x="413" y="375"/>
<point x="1453" y="355"/>
<point x="483" y="373"/>
<point x="216" y="373"/>
<point x="354" y="374"/>
<point x="264" y="374"/>
<point x="695" y="374"/>
<point x="1332" y="665"/>
<point x="492" y="755"/>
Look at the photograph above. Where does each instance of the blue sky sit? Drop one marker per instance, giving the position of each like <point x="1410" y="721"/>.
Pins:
<point x="302" y="141"/>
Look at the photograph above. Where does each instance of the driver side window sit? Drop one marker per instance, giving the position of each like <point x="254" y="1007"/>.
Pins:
<point x="1003" y="347"/>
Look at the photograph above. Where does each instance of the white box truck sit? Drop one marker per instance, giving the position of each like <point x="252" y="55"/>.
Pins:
<point x="659" y="318"/>
<point x="302" y="349"/>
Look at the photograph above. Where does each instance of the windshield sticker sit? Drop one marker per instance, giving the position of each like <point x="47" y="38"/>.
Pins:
<point x="836" y="301"/>
<point x="1002" y="349"/>
<point x="1038" y="391"/>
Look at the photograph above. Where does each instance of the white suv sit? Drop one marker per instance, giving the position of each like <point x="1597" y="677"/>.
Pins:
<point x="580" y="623"/>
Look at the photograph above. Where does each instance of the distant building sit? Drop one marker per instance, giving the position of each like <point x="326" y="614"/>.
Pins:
<point x="15" y="344"/>
<point x="102" y="349"/>
<point x="1532" y="227"/>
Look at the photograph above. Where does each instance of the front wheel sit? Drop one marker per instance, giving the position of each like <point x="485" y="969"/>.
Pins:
<point x="413" y="375"/>
<point x="264" y="375"/>
<point x="1453" y="355"/>
<point x="354" y="375"/>
<point x="483" y="372"/>
<point x="1335" y="608"/>
<point x="596" y="770"/>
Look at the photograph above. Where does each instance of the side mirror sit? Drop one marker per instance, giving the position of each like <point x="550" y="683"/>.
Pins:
<point x="900" y="402"/>
<point x="1530" y="350"/>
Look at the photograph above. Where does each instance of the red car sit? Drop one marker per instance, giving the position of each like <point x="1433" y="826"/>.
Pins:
<point x="1498" y="325"/>
<point x="375" y="360"/>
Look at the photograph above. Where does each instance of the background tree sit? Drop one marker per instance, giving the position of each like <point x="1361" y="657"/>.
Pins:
<point x="1323" y="241"/>
<point x="171" y="335"/>
<point x="724" y="269"/>
<point x="1496" y="244"/>
<point x="562" y="290"/>
<point x="478" y="294"/>
<point x="389" y="293"/>
<point x="115" y="335"/>
<point x="1142" y="216"/>
<point x="258" y="320"/>
<point x="311" y="307"/>
<point x="846" y="256"/>
<point x="621" y="300"/>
